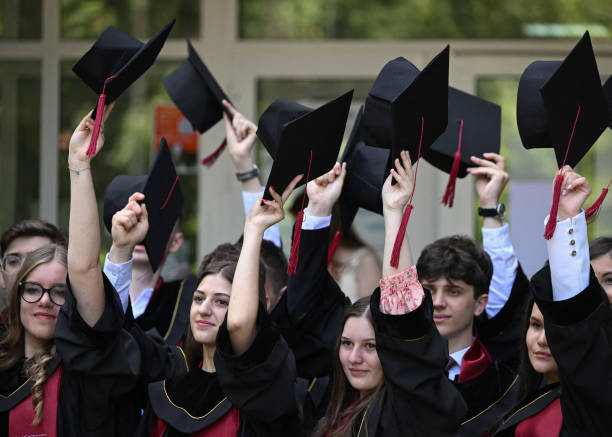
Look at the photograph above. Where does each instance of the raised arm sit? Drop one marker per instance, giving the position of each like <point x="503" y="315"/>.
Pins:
<point x="244" y="301"/>
<point x="241" y="134"/>
<point x="395" y="198"/>
<point x="84" y="228"/>
<point x="129" y="227"/>
<point x="491" y="179"/>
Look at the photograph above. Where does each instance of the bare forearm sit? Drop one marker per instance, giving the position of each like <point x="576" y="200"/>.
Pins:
<point x="244" y="301"/>
<point x="393" y="220"/>
<point x="84" y="247"/>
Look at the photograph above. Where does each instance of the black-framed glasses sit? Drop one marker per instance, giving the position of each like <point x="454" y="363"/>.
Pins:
<point x="11" y="263"/>
<point x="32" y="292"/>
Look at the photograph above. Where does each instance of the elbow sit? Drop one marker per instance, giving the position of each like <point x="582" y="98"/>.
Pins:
<point x="235" y="325"/>
<point x="80" y="266"/>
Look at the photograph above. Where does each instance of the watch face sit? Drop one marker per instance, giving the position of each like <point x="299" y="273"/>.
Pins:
<point x="501" y="210"/>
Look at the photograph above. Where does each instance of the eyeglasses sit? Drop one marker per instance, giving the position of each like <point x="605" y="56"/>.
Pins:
<point x="32" y="292"/>
<point x="11" y="263"/>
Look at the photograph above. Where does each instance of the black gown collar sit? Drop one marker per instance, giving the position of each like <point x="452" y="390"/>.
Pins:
<point x="191" y="402"/>
<point x="16" y="386"/>
<point x="538" y="402"/>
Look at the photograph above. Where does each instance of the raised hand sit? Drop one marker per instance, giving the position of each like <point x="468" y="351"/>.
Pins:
<point x="491" y="178"/>
<point x="129" y="227"/>
<point x="240" y="134"/>
<point x="324" y="191"/>
<point x="79" y="142"/>
<point x="261" y="217"/>
<point x="395" y="197"/>
<point x="574" y="191"/>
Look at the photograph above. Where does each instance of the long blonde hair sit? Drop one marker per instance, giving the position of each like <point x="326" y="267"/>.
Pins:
<point x="12" y="345"/>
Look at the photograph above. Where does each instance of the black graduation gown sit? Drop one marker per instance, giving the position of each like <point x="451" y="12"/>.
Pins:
<point x="503" y="333"/>
<point x="579" y="334"/>
<point x="417" y="398"/>
<point x="100" y="364"/>
<point x="260" y="383"/>
<point x="492" y="393"/>
<point x="309" y="316"/>
<point x="167" y="311"/>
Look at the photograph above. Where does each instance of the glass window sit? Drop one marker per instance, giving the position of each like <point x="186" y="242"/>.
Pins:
<point x="20" y="19"/>
<point x="19" y="140"/>
<point x="405" y="19"/>
<point x="139" y="18"/>
<point x="129" y="147"/>
<point x="314" y="93"/>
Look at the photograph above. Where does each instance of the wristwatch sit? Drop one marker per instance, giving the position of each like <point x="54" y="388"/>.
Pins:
<point x="248" y="174"/>
<point x="499" y="211"/>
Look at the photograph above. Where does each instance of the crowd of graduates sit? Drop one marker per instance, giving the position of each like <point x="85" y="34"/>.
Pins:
<point x="455" y="342"/>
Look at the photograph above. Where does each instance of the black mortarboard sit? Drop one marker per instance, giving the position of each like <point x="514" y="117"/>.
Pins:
<point x="113" y="63"/>
<point x="290" y="132"/>
<point x="163" y="197"/>
<point x="474" y="121"/>
<point x="607" y="87"/>
<point x="402" y="102"/>
<point x="480" y="133"/>
<point x="195" y="91"/>
<point x="550" y="94"/>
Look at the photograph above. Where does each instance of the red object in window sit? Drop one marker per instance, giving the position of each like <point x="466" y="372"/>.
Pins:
<point x="171" y="123"/>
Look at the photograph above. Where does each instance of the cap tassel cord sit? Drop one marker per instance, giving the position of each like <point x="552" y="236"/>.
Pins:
<point x="449" y="194"/>
<point x="297" y="231"/>
<point x="551" y="225"/>
<point x="399" y="239"/>
<point x="91" y="150"/>
<point x="170" y="193"/>
<point x="592" y="212"/>
<point x="212" y="158"/>
<point x="333" y="246"/>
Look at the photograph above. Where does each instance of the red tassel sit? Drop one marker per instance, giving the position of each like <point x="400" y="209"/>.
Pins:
<point x="552" y="219"/>
<point x="591" y="213"/>
<point x="91" y="150"/>
<point x="333" y="246"/>
<point x="210" y="159"/>
<point x="93" y="143"/>
<point x="399" y="239"/>
<point x="295" y="246"/>
<point x="449" y="194"/>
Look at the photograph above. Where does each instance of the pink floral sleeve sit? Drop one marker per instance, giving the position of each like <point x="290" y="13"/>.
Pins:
<point x="401" y="293"/>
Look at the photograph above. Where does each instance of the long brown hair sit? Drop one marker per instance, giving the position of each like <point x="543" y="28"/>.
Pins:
<point x="222" y="260"/>
<point x="342" y="393"/>
<point x="12" y="346"/>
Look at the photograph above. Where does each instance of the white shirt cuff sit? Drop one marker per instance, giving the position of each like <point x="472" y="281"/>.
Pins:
<point x="496" y="238"/>
<point x="568" y="255"/>
<point x="312" y="222"/>
<point x="496" y="242"/>
<point x="120" y="276"/>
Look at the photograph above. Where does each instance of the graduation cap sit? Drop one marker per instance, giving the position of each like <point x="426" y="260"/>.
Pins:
<point x="474" y="127"/>
<point x="112" y="64"/>
<point x="561" y="104"/>
<point x="607" y="87"/>
<point x="163" y="197"/>
<point x="363" y="183"/>
<point x="301" y="140"/>
<point x="198" y="95"/>
<point x="406" y="109"/>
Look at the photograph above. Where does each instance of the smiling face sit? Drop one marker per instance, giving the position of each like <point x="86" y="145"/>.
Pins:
<point x="454" y="310"/>
<point x="602" y="266"/>
<point x="208" y="308"/>
<point x="358" y="355"/>
<point x="537" y="347"/>
<point x="38" y="319"/>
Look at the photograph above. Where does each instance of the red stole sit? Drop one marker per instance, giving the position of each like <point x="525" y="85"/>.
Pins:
<point x="343" y="419"/>
<point x="21" y="417"/>
<point x="547" y="423"/>
<point x="475" y="361"/>
<point x="227" y="426"/>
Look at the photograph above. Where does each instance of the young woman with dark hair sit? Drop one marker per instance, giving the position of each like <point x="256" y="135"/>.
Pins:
<point x="565" y="372"/>
<point x="388" y="364"/>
